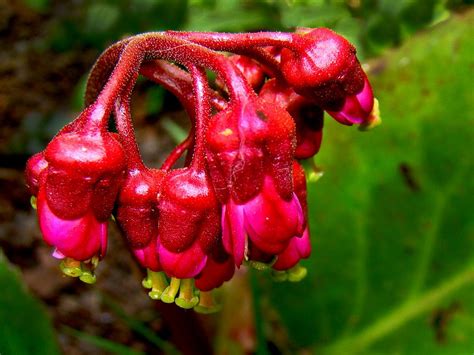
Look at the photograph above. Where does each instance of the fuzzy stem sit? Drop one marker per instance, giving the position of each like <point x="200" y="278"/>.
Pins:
<point x="201" y="103"/>
<point x="178" y="82"/>
<point x="154" y="46"/>
<point x="178" y="151"/>
<point x="173" y="79"/>
<point x="123" y="120"/>
<point x="235" y="42"/>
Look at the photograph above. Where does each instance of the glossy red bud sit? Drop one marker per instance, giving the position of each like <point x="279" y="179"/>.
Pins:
<point x="323" y="67"/>
<point x="188" y="210"/>
<point x="137" y="206"/>
<point x="34" y="167"/>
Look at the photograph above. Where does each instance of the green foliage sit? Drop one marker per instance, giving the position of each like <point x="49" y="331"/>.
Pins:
<point x="24" y="326"/>
<point x="38" y="5"/>
<point x="371" y="25"/>
<point x="393" y="265"/>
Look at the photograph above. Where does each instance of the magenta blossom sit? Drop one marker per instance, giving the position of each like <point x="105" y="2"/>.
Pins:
<point x="267" y="220"/>
<point x="356" y="108"/>
<point x="298" y="248"/>
<point x="80" y="238"/>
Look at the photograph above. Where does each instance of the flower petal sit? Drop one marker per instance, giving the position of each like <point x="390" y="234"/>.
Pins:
<point x="80" y="238"/>
<point x="183" y="265"/>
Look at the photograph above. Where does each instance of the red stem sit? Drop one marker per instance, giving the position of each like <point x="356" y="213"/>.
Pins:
<point x="233" y="42"/>
<point x="178" y="151"/>
<point x="123" y="120"/>
<point x="202" y="106"/>
<point x="154" y="46"/>
<point x="178" y="82"/>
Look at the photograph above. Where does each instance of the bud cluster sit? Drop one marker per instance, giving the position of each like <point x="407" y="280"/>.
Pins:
<point x="241" y="196"/>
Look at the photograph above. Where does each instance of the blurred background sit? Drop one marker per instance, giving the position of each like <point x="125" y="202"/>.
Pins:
<point x="392" y="270"/>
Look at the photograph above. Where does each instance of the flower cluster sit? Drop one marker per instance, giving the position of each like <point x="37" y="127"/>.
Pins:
<point x="241" y="196"/>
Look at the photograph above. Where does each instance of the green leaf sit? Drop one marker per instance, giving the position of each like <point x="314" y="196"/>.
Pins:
<point x="24" y="326"/>
<point x="392" y="270"/>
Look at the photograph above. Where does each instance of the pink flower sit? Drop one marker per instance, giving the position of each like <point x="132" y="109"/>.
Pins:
<point x="219" y="268"/>
<point x="267" y="220"/>
<point x="80" y="238"/>
<point x="76" y="178"/>
<point x="147" y="256"/>
<point x="188" y="226"/>
<point x="298" y="248"/>
<point x="356" y="108"/>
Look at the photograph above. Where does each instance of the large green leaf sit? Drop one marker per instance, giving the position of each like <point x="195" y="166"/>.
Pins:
<point x="24" y="327"/>
<point x="392" y="269"/>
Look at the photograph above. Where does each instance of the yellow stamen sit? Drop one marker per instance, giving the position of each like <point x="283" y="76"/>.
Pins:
<point x="374" y="118"/>
<point x="207" y="303"/>
<point x="297" y="273"/>
<point x="186" y="298"/>
<point x="157" y="282"/>
<point x="71" y="267"/>
<point x="169" y="294"/>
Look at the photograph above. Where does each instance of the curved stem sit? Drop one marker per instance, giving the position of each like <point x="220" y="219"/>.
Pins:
<point x="178" y="151"/>
<point x="201" y="103"/>
<point x="159" y="46"/>
<point x="238" y="41"/>
<point x="101" y="70"/>
<point x="178" y="82"/>
<point x="123" y="120"/>
<point x="270" y="65"/>
<point x="173" y="79"/>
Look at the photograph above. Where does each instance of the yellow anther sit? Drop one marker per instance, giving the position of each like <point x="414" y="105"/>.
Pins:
<point x="33" y="202"/>
<point x="374" y="118"/>
<point x="169" y="294"/>
<point x="71" y="267"/>
<point x="227" y="132"/>
<point x="207" y="303"/>
<point x="297" y="273"/>
<point x="186" y="298"/>
<point x="279" y="276"/>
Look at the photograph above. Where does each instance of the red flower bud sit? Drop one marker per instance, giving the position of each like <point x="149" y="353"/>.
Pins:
<point x="323" y="66"/>
<point x="219" y="269"/>
<point x="247" y="141"/>
<point x="188" y="222"/>
<point x="307" y="116"/>
<point x="34" y="167"/>
<point x="137" y="206"/>
<point x="84" y="172"/>
<point x="267" y="220"/>
<point x="77" y="179"/>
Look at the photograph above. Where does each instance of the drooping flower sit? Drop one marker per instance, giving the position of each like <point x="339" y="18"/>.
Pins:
<point x="308" y="117"/>
<point x="250" y="158"/>
<point x="241" y="195"/>
<point x="355" y="109"/>
<point x="77" y="179"/>
<point x="267" y="220"/>
<point x="189" y="223"/>
<point x="299" y="246"/>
